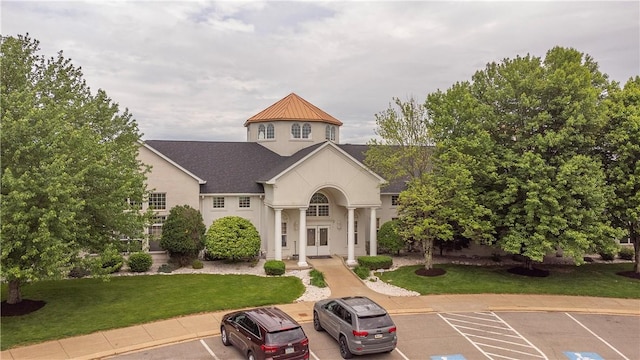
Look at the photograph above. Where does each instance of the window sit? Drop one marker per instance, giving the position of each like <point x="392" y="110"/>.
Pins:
<point x="218" y="202"/>
<point x="330" y="133"/>
<point x="155" y="230"/>
<point x="355" y="232"/>
<point x="394" y="200"/>
<point x="306" y="131"/>
<point x="284" y="234"/>
<point x="260" y="132"/>
<point x="134" y="204"/>
<point x="319" y="205"/>
<point x="271" y="133"/>
<point x="295" y="131"/>
<point x="244" y="202"/>
<point x="158" y="201"/>
<point x="377" y="223"/>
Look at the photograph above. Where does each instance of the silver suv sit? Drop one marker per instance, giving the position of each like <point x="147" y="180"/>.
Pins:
<point x="360" y="325"/>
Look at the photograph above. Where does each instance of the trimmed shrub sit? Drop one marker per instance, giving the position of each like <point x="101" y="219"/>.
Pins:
<point x="389" y="241"/>
<point x="608" y="255"/>
<point x="626" y="253"/>
<point x="79" y="272"/>
<point x="165" y="268"/>
<point x="274" y="267"/>
<point x="140" y="262"/>
<point x="232" y="238"/>
<point x="317" y="278"/>
<point x="376" y="262"/>
<point x="197" y="264"/>
<point x="362" y="271"/>
<point x="183" y="234"/>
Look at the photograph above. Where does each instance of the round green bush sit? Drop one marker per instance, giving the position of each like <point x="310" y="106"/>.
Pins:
<point x="165" y="268"/>
<point x="389" y="241"/>
<point x="140" y="262"/>
<point x="183" y="234"/>
<point x="197" y="264"/>
<point x="626" y="253"/>
<point x="274" y="267"/>
<point x="232" y="238"/>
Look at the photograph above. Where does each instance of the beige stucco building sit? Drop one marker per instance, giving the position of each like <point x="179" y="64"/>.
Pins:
<point x="307" y="194"/>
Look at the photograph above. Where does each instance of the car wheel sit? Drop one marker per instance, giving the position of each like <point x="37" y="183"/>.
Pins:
<point x="344" y="348"/>
<point x="224" y="337"/>
<point x="250" y="356"/>
<point x="316" y="322"/>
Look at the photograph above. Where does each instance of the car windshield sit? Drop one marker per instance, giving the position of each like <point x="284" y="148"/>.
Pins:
<point x="285" y="336"/>
<point x="375" y="322"/>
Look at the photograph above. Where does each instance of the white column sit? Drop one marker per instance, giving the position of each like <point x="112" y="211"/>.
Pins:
<point x="373" y="233"/>
<point x="351" y="260"/>
<point x="278" y="234"/>
<point x="302" y="238"/>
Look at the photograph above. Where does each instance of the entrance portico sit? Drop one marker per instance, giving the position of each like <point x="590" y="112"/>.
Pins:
<point x="335" y="198"/>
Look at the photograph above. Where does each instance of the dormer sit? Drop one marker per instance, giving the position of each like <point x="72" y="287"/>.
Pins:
<point x="292" y="124"/>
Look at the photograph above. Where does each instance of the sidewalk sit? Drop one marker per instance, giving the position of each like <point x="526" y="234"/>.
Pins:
<point x="342" y="282"/>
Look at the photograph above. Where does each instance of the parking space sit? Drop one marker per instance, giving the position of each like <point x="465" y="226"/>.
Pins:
<point x="459" y="336"/>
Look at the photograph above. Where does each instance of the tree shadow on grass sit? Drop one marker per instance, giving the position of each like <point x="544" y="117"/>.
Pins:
<point x="533" y="272"/>
<point x="24" y="307"/>
<point x="431" y="272"/>
<point x="629" y="274"/>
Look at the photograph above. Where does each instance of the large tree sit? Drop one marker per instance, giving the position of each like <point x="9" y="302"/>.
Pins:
<point x="69" y="165"/>
<point x="403" y="150"/>
<point x="622" y="160"/>
<point x="540" y="122"/>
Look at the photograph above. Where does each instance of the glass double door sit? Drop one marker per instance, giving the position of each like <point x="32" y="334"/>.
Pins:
<point x="317" y="240"/>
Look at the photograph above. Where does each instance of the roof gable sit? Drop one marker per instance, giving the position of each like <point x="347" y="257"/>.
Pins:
<point x="293" y="107"/>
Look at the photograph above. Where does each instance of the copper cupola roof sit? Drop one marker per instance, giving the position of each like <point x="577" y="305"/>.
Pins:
<point x="293" y="107"/>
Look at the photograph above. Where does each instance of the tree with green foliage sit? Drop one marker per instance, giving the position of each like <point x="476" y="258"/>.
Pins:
<point x="69" y="164"/>
<point x="404" y="148"/>
<point x="621" y="157"/>
<point x="389" y="240"/>
<point x="232" y="238"/>
<point x="530" y="128"/>
<point x="183" y="234"/>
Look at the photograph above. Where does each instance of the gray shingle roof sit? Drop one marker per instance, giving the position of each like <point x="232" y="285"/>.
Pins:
<point x="238" y="167"/>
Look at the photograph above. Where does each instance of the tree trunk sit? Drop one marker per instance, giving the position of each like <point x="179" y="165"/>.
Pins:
<point x="15" y="295"/>
<point x="635" y="239"/>
<point x="427" y="247"/>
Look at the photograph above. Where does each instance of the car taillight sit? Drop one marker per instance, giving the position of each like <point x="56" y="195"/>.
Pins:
<point x="268" y="349"/>
<point x="304" y="342"/>
<point x="360" y="333"/>
<point x="392" y="330"/>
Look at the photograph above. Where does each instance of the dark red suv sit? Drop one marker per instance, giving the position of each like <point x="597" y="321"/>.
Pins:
<point x="264" y="334"/>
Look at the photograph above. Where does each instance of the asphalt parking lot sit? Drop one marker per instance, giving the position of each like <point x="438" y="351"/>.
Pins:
<point x="458" y="336"/>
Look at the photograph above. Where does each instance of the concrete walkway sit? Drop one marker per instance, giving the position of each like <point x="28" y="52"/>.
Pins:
<point x="342" y="282"/>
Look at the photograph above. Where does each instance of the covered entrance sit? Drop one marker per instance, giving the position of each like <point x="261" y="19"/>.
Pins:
<point x="317" y="240"/>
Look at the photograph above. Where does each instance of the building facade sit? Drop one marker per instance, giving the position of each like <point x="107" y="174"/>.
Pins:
<point x="307" y="194"/>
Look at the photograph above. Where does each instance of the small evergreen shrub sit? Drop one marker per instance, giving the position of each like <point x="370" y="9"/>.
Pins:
<point x="232" y="238"/>
<point x="362" y="271"/>
<point x="317" y="278"/>
<point x="140" y="262"/>
<point x="197" y="264"/>
<point x="183" y="234"/>
<point x="274" y="267"/>
<point x="626" y="253"/>
<point x="376" y="262"/>
<point x="608" y="255"/>
<point x="165" y="268"/>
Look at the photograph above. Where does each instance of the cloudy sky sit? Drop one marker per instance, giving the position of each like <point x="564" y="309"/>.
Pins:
<point x="196" y="70"/>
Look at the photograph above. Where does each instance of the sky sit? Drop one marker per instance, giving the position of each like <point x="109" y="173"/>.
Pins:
<point x="197" y="70"/>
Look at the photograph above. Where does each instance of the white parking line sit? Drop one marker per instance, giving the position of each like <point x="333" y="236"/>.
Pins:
<point x="314" y="355"/>
<point x="208" y="349"/>
<point x="598" y="337"/>
<point x="401" y="354"/>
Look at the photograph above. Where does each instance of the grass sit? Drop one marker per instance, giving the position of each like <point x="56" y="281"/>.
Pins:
<point x="317" y="278"/>
<point x="585" y="280"/>
<point x="83" y="306"/>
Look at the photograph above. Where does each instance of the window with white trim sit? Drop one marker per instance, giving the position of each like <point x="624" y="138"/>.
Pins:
<point x="318" y="206"/>
<point x="218" y="202"/>
<point x="394" y="200"/>
<point x="284" y="234"/>
<point x="261" y="132"/>
<point x="155" y="230"/>
<point x="158" y="201"/>
<point x="355" y="232"/>
<point x="271" y="131"/>
<point x="330" y="133"/>
<point x="306" y="131"/>
<point x="244" y="202"/>
<point x="295" y="131"/>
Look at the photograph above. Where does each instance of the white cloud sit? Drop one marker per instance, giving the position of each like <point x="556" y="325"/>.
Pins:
<point x="199" y="69"/>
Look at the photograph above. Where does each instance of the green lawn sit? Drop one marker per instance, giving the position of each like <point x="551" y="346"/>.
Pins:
<point x="83" y="306"/>
<point x="586" y="280"/>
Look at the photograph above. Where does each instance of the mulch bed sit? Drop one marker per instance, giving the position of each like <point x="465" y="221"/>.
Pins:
<point x="431" y="272"/>
<point x="24" y="307"/>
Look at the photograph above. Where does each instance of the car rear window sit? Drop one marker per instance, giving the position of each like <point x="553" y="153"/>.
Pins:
<point x="285" y="336"/>
<point x="375" y="322"/>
